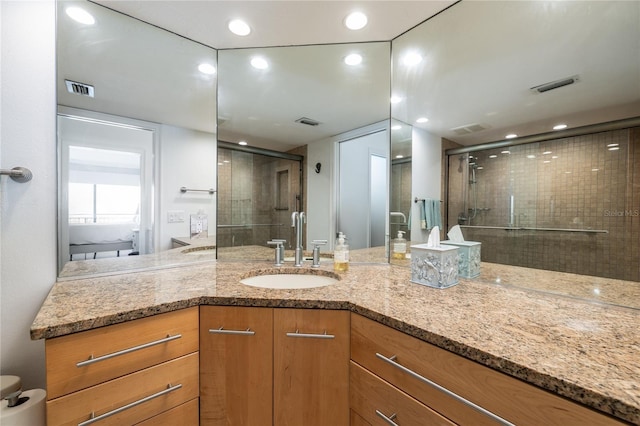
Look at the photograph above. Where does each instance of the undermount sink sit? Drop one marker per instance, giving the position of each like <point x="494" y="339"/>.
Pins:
<point x="296" y="280"/>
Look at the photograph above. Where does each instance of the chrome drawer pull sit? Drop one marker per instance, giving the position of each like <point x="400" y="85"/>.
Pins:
<point x="389" y="419"/>
<point x="95" y="418"/>
<point x="444" y="390"/>
<point x="221" y="330"/>
<point x="311" y="335"/>
<point x="93" y="360"/>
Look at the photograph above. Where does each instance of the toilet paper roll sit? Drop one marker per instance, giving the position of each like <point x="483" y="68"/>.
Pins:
<point x="29" y="413"/>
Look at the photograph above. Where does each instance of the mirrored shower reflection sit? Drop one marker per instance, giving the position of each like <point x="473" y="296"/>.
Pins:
<point x="564" y="205"/>
<point x="256" y="195"/>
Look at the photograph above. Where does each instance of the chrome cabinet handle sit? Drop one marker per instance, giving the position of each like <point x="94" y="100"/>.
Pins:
<point x="221" y="330"/>
<point x="95" y="418"/>
<point x="311" y="335"/>
<point x="389" y="419"/>
<point x="444" y="390"/>
<point x="93" y="360"/>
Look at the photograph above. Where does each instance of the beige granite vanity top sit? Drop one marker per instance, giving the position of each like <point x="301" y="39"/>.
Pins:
<point x="584" y="350"/>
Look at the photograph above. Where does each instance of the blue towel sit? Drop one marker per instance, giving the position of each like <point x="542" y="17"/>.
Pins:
<point x="432" y="216"/>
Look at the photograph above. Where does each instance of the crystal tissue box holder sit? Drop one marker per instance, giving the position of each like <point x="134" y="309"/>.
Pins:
<point x="434" y="266"/>
<point x="469" y="257"/>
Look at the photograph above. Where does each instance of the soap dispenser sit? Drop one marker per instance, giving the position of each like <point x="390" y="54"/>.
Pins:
<point x="399" y="247"/>
<point x="341" y="254"/>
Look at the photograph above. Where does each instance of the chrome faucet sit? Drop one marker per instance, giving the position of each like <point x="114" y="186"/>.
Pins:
<point x="297" y="219"/>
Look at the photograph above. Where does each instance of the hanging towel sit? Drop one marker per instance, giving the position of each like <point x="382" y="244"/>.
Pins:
<point x="423" y="214"/>
<point x="432" y="213"/>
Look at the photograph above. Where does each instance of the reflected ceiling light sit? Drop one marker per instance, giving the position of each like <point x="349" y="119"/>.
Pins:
<point x="243" y="143"/>
<point x="612" y="144"/>
<point x="395" y="99"/>
<point x="239" y="27"/>
<point x="546" y="153"/>
<point x="422" y="120"/>
<point x="396" y="127"/>
<point x="505" y="152"/>
<point x="554" y="156"/>
<point x="493" y="156"/>
<point x="531" y="156"/>
<point x="559" y="126"/>
<point x="480" y="168"/>
<point x="259" y="63"/>
<point x="225" y="161"/>
<point x="412" y="58"/>
<point x="594" y="170"/>
<point x="356" y="21"/>
<point x="80" y="15"/>
<point x="614" y="148"/>
<point x="207" y="69"/>
<point x="399" y="156"/>
<point x="353" y="59"/>
<point x="511" y="136"/>
<point x="546" y="161"/>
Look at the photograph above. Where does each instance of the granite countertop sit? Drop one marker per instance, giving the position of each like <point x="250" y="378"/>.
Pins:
<point x="584" y="350"/>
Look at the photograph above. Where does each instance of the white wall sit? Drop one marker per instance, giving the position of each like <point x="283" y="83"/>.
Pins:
<point x="320" y="207"/>
<point x="28" y="210"/>
<point x="426" y="174"/>
<point x="187" y="158"/>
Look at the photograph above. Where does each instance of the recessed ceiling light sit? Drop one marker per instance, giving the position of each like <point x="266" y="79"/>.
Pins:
<point x="422" y="120"/>
<point x="239" y="27"/>
<point x="243" y="143"/>
<point x="412" y="58"/>
<point x="395" y="99"/>
<point x="80" y="15"/>
<point x="511" y="136"/>
<point x="356" y="21"/>
<point x="259" y="63"/>
<point x="207" y="69"/>
<point x="396" y="127"/>
<point x="559" y="127"/>
<point x="353" y="59"/>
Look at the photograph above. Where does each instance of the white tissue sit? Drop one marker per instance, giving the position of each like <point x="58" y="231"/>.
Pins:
<point x="434" y="237"/>
<point x="455" y="234"/>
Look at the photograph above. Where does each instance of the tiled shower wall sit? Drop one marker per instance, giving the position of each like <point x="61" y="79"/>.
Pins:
<point x="400" y="198"/>
<point x="589" y="182"/>
<point x="249" y="211"/>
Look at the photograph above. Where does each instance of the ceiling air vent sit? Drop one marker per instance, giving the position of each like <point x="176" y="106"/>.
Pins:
<point x="468" y="128"/>
<point x="555" y="84"/>
<point x="307" y="121"/>
<point x="79" y="88"/>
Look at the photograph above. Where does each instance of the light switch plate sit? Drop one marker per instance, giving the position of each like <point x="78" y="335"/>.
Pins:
<point x="175" y="216"/>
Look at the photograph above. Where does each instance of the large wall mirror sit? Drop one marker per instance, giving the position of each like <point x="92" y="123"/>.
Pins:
<point x="136" y="123"/>
<point x="480" y="71"/>
<point x="313" y="122"/>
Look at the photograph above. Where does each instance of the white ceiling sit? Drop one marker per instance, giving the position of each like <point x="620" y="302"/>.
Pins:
<point x="481" y="59"/>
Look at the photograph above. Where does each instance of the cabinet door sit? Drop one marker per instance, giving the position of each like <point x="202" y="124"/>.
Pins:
<point x="236" y="365"/>
<point x="311" y="367"/>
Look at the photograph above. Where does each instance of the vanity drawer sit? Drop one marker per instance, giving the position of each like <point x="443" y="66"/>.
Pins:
<point x="184" y="415"/>
<point x="405" y="362"/>
<point x="148" y="392"/>
<point x="118" y="350"/>
<point x="372" y="398"/>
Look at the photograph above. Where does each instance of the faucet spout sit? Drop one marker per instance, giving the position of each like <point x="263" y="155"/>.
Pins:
<point x="297" y="221"/>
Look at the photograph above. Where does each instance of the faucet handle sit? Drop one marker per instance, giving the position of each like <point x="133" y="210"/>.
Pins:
<point x="279" y="250"/>
<point x="316" y="252"/>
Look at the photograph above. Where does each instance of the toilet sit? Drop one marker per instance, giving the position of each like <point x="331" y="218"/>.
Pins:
<point x="21" y="408"/>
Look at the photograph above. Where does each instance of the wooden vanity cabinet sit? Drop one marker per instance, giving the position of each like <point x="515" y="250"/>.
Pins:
<point x="408" y="364"/>
<point x="311" y="367"/>
<point x="126" y="373"/>
<point x="236" y="365"/>
<point x="263" y="366"/>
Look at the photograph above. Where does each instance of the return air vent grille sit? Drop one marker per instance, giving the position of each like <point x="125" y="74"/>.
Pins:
<point x="307" y="121"/>
<point x="80" y="88"/>
<point x="555" y="84"/>
<point x="469" y="128"/>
